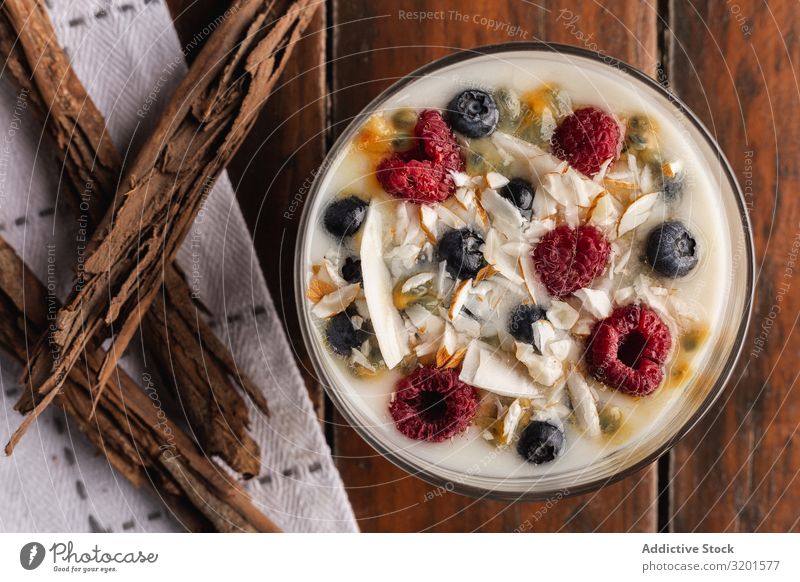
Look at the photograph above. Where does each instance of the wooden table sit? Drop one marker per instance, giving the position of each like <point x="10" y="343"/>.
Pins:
<point x="732" y="62"/>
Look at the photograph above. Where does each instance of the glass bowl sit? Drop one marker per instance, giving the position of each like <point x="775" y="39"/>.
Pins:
<point x="447" y="470"/>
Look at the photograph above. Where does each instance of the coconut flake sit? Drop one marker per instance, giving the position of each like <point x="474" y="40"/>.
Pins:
<point x="542" y="368"/>
<point x="336" y="301"/>
<point x="503" y="214"/>
<point x="543" y="334"/>
<point x="485" y="367"/>
<point x="448" y="217"/>
<point x="359" y="358"/>
<point x="504" y="263"/>
<point x="463" y="323"/>
<point x="510" y="422"/>
<point x="595" y="301"/>
<point x="535" y="287"/>
<point x="584" y="405"/>
<point x="543" y="204"/>
<point x="461" y="179"/>
<point x="537" y="161"/>
<point x="570" y="189"/>
<point x="560" y="349"/>
<point x="386" y="320"/>
<point x="562" y="315"/>
<point x="624" y="295"/>
<point x="428" y="220"/>
<point x="606" y="210"/>
<point x="417" y="280"/>
<point x="495" y="180"/>
<point x="636" y="213"/>
<point x="459" y="298"/>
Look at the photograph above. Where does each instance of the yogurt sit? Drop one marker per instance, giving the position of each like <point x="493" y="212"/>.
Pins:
<point x="658" y="175"/>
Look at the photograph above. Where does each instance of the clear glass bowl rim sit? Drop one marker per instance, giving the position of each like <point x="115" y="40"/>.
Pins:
<point x="345" y="138"/>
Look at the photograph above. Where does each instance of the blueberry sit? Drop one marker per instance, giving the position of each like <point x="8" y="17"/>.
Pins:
<point x="351" y="270"/>
<point x="473" y="113"/>
<point x="521" y="321"/>
<point x="520" y="193"/>
<point x="540" y="442"/>
<point x="344" y="216"/>
<point x="460" y="248"/>
<point x="671" y="249"/>
<point x="342" y="336"/>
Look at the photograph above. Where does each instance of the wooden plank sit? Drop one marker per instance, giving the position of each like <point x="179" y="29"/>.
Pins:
<point x="375" y="45"/>
<point x="733" y="63"/>
<point x="274" y="167"/>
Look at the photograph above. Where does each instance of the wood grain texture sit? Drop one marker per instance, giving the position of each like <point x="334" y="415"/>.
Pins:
<point x="374" y="44"/>
<point x="735" y="65"/>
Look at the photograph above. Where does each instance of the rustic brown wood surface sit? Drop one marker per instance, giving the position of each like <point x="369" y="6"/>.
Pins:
<point x="735" y="64"/>
<point x="732" y="62"/>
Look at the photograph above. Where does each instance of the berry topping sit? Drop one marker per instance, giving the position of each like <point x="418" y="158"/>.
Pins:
<point x="627" y="350"/>
<point x="432" y="404"/>
<point x="521" y="321"/>
<point x="351" y="270"/>
<point x="473" y="113"/>
<point x="520" y="193"/>
<point x="587" y="139"/>
<point x="671" y="250"/>
<point x="344" y="216"/>
<point x="568" y="259"/>
<point x="342" y="335"/>
<point x="422" y="174"/>
<point x="540" y="442"/>
<point x="460" y="248"/>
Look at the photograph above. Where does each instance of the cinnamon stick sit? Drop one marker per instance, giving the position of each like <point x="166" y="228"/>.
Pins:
<point x="222" y="358"/>
<point x="129" y="426"/>
<point x="216" y="412"/>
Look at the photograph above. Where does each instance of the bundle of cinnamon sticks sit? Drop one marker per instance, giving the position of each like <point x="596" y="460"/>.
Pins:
<point x="129" y="278"/>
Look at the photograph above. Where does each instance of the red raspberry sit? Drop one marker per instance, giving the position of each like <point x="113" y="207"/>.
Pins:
<point x="568" y="259"/>
<point x="438" y="142"/>
<point x="627" y="350"/>
<point x="432" y="404"/>
<point x="423" y="173"/>
<point x="587" y="139"/>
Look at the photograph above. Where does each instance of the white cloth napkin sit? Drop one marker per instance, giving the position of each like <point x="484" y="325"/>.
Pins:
<point x="129" y="58"/>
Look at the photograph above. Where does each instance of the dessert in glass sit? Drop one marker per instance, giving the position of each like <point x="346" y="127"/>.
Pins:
<point x="524" y="270"/>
